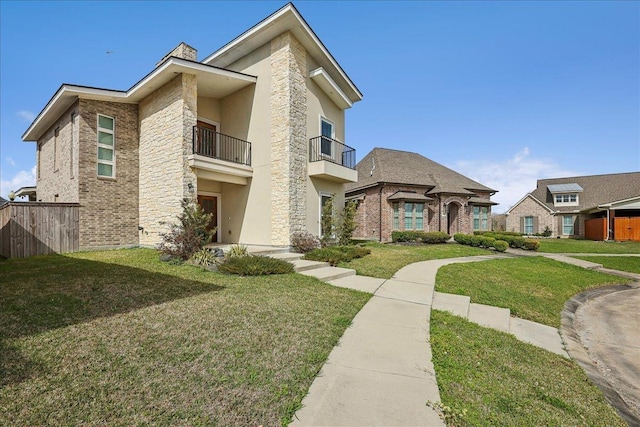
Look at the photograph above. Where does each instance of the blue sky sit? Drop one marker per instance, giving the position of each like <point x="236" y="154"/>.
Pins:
<point x="504" y="92"/>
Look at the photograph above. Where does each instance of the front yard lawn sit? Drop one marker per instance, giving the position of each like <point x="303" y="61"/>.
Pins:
<point x="588" y="246"/>
<point x="386" y="259"/>
<point x="501" y="381"/>
<point x="534" y="288"/>
<point x="622" y="263"/>
<point x="118" y="337"/>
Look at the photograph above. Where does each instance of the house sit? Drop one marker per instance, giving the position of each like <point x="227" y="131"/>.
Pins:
<point x="597" y="207"/>
<point x="254" y="132"/>
<point x="399" y="190"/>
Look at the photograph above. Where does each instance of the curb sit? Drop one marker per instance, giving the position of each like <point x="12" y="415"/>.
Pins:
<point x="576" y="350"/>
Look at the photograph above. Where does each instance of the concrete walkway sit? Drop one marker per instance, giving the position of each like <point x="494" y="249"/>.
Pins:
<point x="380" y="373"/>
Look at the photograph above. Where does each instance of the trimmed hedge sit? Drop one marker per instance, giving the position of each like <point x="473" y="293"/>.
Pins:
<point x="489" y="239"/>
<point x="252" y="265"/>
<point x="432" y="237"/>
<point x="336" y="254"/>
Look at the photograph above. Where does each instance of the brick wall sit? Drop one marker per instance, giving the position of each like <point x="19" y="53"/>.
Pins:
<point x="108" y="206"/>
<point x="529" y="207"/>
<point x="56" y="173"/>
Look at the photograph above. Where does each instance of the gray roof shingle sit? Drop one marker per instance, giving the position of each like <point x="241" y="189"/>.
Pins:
<point x="597" y="189"/>
<point x="403" y="167"/>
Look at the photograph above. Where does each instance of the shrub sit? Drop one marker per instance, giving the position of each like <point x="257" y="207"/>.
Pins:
<point x="327" y="222"/>
<point x="255" y="266"/>
<point x="204" y="258"/>
<point x="336" y="254"/>
<point x="189" y="234"/>
<point x="237" y="251"/>
<point x="500" y="245"/>
<point x="531" y="245"/>
<point x="303" y="242"/>
<point x="435" y="237"/>
<point x="463" y="239"/>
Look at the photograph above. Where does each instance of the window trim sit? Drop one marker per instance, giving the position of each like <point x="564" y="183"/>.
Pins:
<point x="528" y="225"/>
<point x="481" y="209"/>
<point x="321" y="195"/>
<point x="56" y="149"/>
<point x="74" y="130"/>
<point x="395" y="216"/>
<point x="105" y="146"/>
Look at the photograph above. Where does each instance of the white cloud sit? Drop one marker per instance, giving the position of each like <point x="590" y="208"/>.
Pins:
<point x="21" y="179"/>
<point x="513" y="177"/>
<point x="10" y="161"/>
<point x="25" y="115"/>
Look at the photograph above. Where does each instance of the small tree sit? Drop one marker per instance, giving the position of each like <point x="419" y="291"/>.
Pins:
<point x="189" y="234"/>
<point x="347" y="223"/>
<point x="327" y="222"/>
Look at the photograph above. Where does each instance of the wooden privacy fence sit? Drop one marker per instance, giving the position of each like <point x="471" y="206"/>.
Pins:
<point x="627" y="228"/>
<point x="595" y="229"/>
<point x="36" y="228"/>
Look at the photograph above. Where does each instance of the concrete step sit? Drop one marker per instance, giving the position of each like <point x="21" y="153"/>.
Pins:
<point x="359" y="283"/>
<point x="287" y="256"/>
<point x="542" y="336"/>
<point x="305" y="265"/>
<point x="327" y="274"/>
<point x="455" y="304"/>
<point x="267" y="250"/>
<point x="491" y="317"/>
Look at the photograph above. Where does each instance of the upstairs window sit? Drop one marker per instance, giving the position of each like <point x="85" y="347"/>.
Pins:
<point x="565" y="199"/>
<point x="327" y="133"/>
<point x="106" y="146"/>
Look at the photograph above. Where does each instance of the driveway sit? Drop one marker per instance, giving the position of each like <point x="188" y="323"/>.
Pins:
<point x="608" y="327"/>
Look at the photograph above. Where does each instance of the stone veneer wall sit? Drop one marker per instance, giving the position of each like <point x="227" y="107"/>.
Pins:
<point x="167" y="117"/>
<point x="288" y="138"/>
<point x="108" y="206"/>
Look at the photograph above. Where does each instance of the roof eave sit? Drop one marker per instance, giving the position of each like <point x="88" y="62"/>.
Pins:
<point x="284" y="19"/>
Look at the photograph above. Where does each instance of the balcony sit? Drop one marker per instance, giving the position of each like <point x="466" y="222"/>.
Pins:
<point x="331" y="159"/>
<point x="220" y="157"/>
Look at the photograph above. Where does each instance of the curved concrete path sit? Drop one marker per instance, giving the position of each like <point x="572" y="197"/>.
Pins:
<point x="380" y="373"/>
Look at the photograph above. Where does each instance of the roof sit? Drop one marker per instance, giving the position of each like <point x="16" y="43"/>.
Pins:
<point x="285" y="19"/>
<point x="3" y="201"/>
<point x="597" y="189"/>
<point x="217" y="81"/>
<point x="409" y="195"/>
<point x="564" y="188"/>
<point x="479" y="201"/>
<point x="383" y="165"/>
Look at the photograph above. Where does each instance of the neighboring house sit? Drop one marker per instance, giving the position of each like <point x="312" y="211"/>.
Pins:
<point x="399" y="190"/>
<point x="254" y="132"/>
<point x="3" y="201"/>
<point x="597" y="207"/>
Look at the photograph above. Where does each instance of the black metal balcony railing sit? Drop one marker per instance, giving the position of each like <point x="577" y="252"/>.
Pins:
<point x="216" y="145"/>
<point x="325" y="148"/>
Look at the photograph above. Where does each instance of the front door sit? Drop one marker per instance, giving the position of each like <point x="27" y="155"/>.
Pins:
<point x="209" y="205"/>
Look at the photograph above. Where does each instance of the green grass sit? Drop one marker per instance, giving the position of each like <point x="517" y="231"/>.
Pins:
<point x="386" y="259"/>
<point x="622" y="263"/>
<point x="501" y="381"/>
<point x="533" y="288"/>
<point x="588" y="246"/>
<point x="118" y="337"/>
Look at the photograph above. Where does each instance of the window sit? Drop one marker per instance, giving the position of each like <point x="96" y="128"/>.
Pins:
<point x="480" y="217"/>
<point x="413" y="216"/>
<point x="74" y="128"/>
<point x="326" y="131"/>
<point x="56" y="149"/>
<point x="566" y="199"/>
<point x="528" y="225"/>
<point x="567" y="225"/>
<point x="106" y="146"/>
<point x="396" y="216"/>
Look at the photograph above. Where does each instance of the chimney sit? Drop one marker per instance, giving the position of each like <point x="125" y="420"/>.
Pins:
<point x="183" y="51"/>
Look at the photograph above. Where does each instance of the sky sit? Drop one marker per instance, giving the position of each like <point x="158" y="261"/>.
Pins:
<point x="504" y="92"/>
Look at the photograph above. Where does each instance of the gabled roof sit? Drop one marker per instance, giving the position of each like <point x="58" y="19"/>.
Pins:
<point x="383" y="165"/>
<point x="285" y="19"/>
<point x="597" y="189"/>
<point x="528" y="195"/>
<point x="218" y="81"/>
